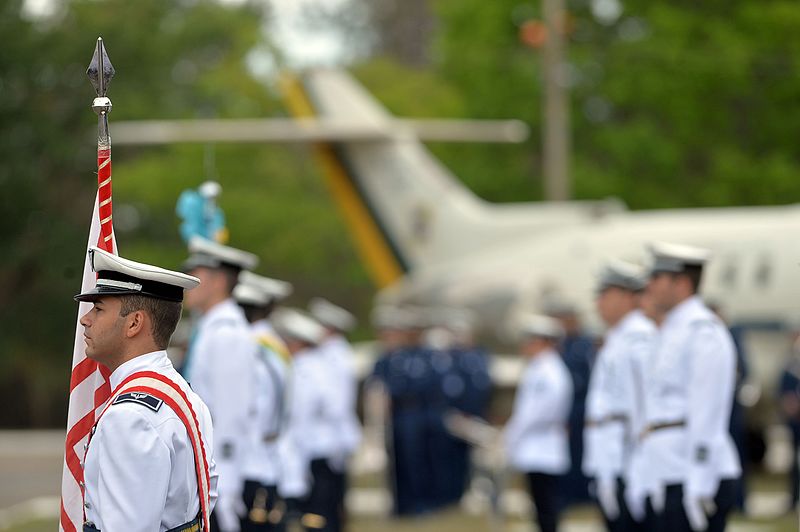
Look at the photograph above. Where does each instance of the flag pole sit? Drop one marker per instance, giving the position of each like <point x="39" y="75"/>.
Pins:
<point x="100" y="72"/>
<point x="89" y="385"/>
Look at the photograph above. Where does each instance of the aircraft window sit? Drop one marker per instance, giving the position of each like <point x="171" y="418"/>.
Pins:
<point x="729" y="272"/>
<point x="763" y="271"/>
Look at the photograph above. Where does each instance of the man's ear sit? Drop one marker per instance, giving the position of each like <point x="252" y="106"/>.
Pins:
<point x="135" y="323"/>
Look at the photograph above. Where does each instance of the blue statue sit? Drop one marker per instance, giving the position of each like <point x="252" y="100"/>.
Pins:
<point x="200" y="213"/>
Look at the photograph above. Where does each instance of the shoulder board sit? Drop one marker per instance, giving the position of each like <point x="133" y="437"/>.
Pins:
<point x="276" y="345"/>
<point x="145" y="399"/>
<point x="702" y="322"/>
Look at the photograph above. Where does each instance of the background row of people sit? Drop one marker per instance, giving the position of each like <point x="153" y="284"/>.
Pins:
<point x="281" y="390"/>
<point x="286" y="379"/>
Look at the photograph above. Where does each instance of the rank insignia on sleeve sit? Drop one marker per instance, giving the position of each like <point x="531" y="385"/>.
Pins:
<point x="702" y="454"/>
<point x="227" y="450"/>
<point x="145" y="399"/>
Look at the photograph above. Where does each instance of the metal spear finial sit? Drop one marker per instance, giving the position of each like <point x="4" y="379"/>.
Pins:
<point x="100" y="72"/>
<point x="100" y="63"/>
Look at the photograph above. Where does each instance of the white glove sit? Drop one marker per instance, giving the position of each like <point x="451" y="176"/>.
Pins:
<point x="228" y="511"/>
<point x="658" y="498"/>
<point x="634" y="499"/>
<point x="607" y="497"/>
<point x="695" y="513"/>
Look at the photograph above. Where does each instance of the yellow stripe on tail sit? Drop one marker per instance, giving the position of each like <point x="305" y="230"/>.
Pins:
<point x="375" y="252"/>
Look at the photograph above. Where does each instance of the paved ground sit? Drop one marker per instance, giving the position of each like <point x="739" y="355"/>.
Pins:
<point x="31" y="463"/>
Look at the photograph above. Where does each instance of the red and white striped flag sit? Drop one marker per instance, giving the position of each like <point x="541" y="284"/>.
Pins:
<point x="89" y="388"/>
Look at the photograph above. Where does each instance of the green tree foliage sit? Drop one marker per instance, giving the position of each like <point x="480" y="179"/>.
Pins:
<point x="173" y="60"/>
<point x="673" y="103"/>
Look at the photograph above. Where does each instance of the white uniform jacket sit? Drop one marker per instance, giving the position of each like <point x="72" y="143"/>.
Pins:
<point x="536" y="435"/>
<point x="139" y="470"/>
<point x="311" y="429"/>
<point x="691" y="379"/>
<point x="263" y="463"/>
<point x="344" y="392"/>
<point x="221" y="372"/>
<point x="615" y="401"/>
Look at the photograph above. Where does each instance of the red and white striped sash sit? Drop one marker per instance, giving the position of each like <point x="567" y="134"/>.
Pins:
<point x="173" y="396"/>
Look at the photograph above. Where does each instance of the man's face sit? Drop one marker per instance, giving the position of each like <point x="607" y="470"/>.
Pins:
<point x="391" y="338"/>
<point x="197" y="298"/>
<point x="533" y="346"/>
<point x="612" y="304"/>
<point x="661" y="291"/>
<point x="649" y="309"/>
<point x="103" y="330"/>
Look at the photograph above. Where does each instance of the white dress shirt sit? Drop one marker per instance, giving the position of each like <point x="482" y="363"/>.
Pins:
<point x="615" y="401"/>
<point x="311" y="429"/>
<point x="344" y="392"/>
<point x="691" y="378"/>
<point x="221" y="372"/>
<point x="263" y="462"/>
<point x="140" y="469"/>
<point x="536" y="435"/>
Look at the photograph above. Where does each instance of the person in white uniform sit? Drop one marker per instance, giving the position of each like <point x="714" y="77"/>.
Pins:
<point x="149" y="463"/>
<point x="339" y="354"/>
<point x="690" y="459"/>
<point x="615" y="402"/>
<point x="257" y="296"/>
<point x="222" y="355"/>
<point x="312" y="423"/>
<point x="536" y="437"/>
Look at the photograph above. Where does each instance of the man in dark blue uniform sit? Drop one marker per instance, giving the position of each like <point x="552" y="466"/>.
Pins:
<point x="790" y="409"/>
<point x="467" y="390"/>
<point x="404" y="371"/>
<point x="578" y="350"/>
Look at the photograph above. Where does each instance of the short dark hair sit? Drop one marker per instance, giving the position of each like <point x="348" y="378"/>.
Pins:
<point x="253" y="313"/>
<point x="164" y="314"/>
<point x="695" y="274"/>
<point x="231" y="276"/>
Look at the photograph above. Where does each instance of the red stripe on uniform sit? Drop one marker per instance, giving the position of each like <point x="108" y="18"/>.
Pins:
<point x="201" y="473"/>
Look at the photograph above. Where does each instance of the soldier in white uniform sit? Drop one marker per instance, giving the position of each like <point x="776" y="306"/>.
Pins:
<point x="312" y="426"/>
<point x="615" y="401"/>
<point x="258" y="295"/>
<point x="690" y="460"/>
<point x="536" y="435"/>
<point x="149" y="464"/>
<point x="339" y="354"/>
<point x="222" y="355"/>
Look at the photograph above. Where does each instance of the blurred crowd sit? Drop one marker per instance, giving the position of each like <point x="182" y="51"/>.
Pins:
<point x="641" y="420"/>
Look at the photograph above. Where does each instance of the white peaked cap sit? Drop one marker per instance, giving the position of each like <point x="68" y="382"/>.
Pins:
<point x="537" y="325"/>
<point x="460" y="319"/>
<point x="254" y="289"/>
<point x="246" y="294"/>
<point x="296" y="324"/>
<point x="675" y="258"/>
<point x="117" y="276"/>
<point x="622" y="274"/>
<point x="392" y="317"/>
<point x="210" y="254"/>
<point x="331" y="315"/>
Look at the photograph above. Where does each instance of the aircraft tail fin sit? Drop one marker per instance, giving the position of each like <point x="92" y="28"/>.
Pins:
<point x="406" y="210"/>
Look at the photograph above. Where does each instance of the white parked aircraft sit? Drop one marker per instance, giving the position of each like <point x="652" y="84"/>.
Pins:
<point x="428" y="240"/>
